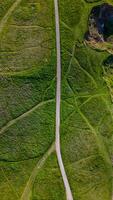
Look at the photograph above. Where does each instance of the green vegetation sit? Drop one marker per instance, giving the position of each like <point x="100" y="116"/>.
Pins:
<point x="4" y="6"/>
<point x="87" y="131"/>
<point x="27" y="89"/>
<point x="48" y="183"/>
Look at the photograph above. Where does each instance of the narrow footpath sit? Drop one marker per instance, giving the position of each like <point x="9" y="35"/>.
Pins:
<point x="4" y="20"/>
<point x="58" y="102"/>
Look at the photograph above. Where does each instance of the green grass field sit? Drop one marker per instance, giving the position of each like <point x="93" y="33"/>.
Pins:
<point x="27" y="100"/>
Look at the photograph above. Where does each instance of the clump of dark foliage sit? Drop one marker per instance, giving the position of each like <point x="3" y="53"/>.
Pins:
<point x="101" y="24"/>
<point x="108" y="62"/>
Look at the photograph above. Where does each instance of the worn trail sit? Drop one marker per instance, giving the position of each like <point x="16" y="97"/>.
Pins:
<point x="28" y="188"/>
<point x="58" y="102"/>
<point x="14" y="121"/>
<point x="8" y="14"/>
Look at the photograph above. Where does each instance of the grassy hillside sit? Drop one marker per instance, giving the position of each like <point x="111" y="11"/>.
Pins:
<point x="87" y="131"/>
<point x="28" y="163"/>
<point x="27" y="89"/>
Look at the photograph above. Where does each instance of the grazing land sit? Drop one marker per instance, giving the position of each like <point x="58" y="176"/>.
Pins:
<point x="29" y="168"/>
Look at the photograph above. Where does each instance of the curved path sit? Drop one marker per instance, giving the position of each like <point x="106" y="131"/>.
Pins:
<point x="20" y="117"/>
<point x="8" y="14"/>
<point x="27" y="190"/>
<point x="58" y="102"/>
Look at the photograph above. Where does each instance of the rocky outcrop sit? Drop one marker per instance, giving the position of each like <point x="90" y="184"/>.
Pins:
<point x="100" y="33"/>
